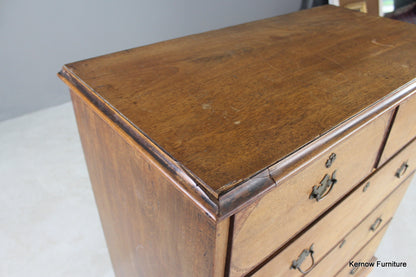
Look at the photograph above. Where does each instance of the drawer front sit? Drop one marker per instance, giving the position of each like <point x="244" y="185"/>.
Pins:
<point x="403" y="129"/>
<point x="270" y="222"/>
<point x="329" y="230"/>
<point x="358" y="237"/>
<point x="366" y="254"/>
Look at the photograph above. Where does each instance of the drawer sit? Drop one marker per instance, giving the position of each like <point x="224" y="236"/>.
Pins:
<point x="271" y="221"/>
<point x="333" y="227"/>
<point x="358" y="237"/>
<point x="365" y="255"/>
<point x="403" y="129"/>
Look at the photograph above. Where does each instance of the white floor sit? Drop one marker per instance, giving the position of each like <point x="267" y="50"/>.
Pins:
<point x="49" y="224"/>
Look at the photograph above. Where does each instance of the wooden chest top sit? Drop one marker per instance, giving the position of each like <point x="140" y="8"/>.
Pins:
<point x="226" y="104"/>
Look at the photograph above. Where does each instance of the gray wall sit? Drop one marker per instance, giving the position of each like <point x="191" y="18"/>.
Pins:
<point x="38" y="37"/>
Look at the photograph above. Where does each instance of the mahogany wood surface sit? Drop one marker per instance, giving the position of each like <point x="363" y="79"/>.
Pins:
<point x="228" y="103"/>
<point x="329" y="230"/>
<point x="151" y="227"/>
<point x="270" y="222"/>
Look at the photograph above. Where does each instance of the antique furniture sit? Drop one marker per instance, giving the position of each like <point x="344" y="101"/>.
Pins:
<point x="273" y="148"/>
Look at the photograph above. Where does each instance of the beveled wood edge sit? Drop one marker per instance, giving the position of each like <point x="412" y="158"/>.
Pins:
<point x="239" y="195"/>
<point x="231" y="198"/>
<point x="184" y="181"/>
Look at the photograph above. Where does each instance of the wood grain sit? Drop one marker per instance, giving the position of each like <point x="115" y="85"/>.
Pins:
<point x="257" y="82"/>
<point x="365" y="255"/>
<point x="151" y="227"/>
<point x="334" y="261"/>
<point x="236" y="197"/>
<point x="341" y="220"/>
<point x="381" y="181"/>
<point x="286" y="210"/>
<point x="202" y="150"/>
<point x="403" y="130"/>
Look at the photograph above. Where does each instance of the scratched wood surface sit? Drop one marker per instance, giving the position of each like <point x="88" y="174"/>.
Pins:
<point x="230" y="102"/>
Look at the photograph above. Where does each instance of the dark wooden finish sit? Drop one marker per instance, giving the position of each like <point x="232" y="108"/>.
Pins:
<point x="260" y="230"/>
<point x="228" y="103"/>
<point x="202" y="150"/>
<point x="151" y="227"/>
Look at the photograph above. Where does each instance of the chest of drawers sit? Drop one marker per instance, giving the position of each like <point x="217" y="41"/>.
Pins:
<point x="280" y="147"/>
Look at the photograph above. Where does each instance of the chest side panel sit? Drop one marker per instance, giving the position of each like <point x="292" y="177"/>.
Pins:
<point x="151" y="228"/>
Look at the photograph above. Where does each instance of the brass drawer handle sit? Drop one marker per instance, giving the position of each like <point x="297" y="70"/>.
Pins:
<point x="297" y="263"/>
<point x="365" y="188"/>
<point x="402" y="170"/>
<point x="354" y="270"/>
<point x="376" y="224"/>
<point x="327" y="183"/>
<point x="330" y="160"/>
